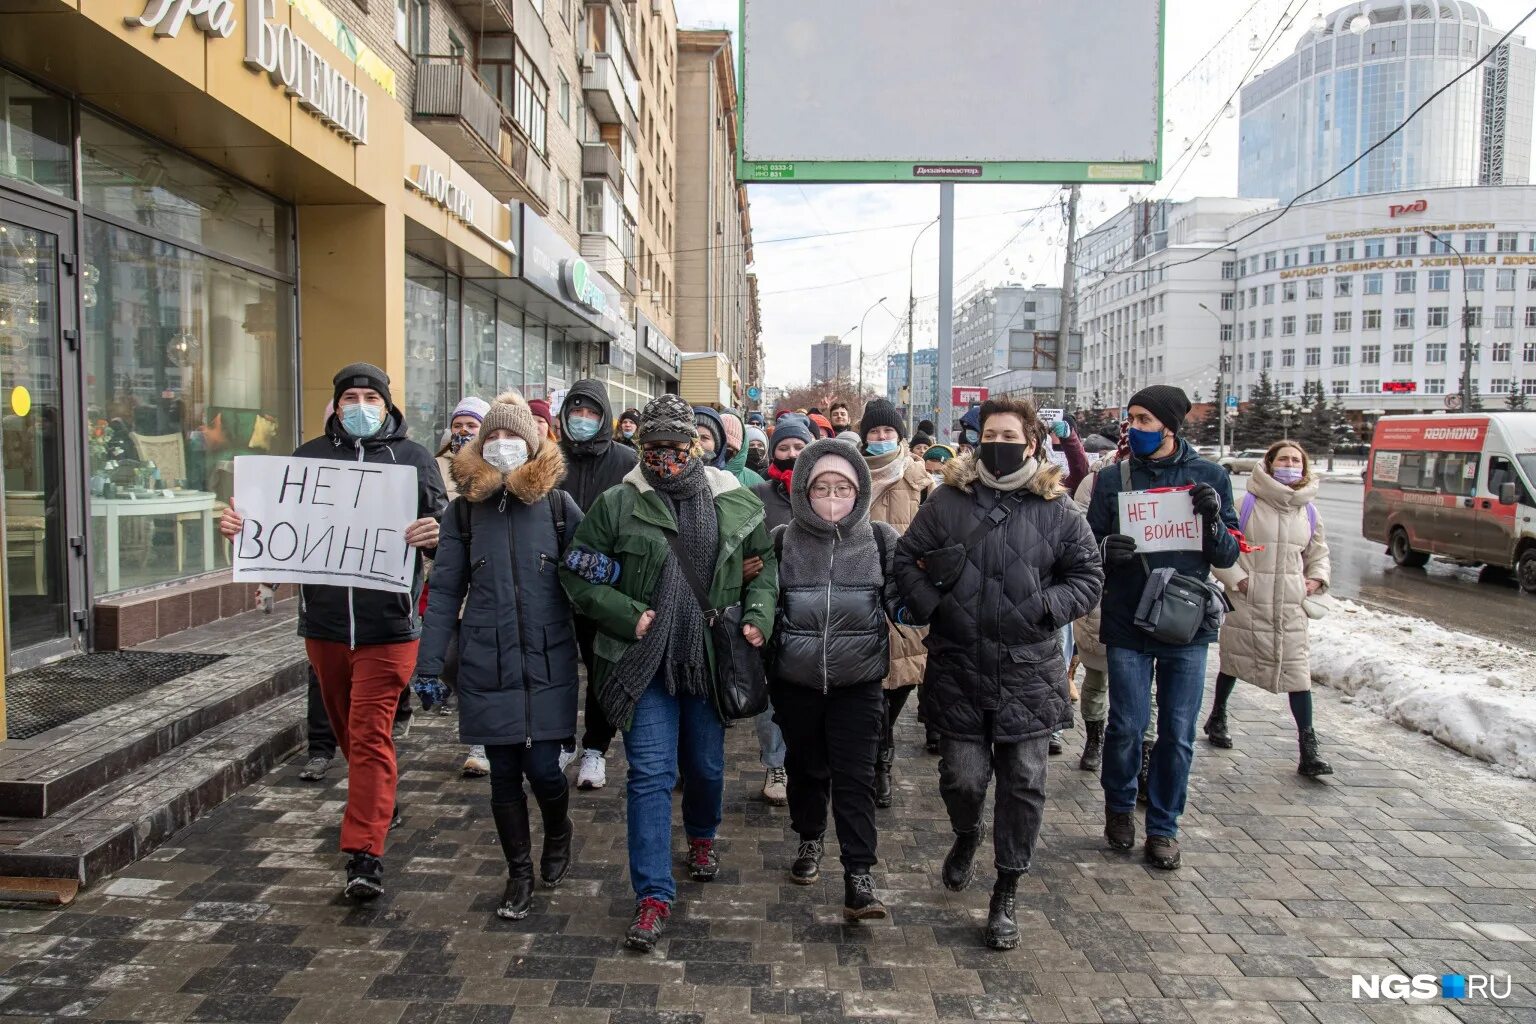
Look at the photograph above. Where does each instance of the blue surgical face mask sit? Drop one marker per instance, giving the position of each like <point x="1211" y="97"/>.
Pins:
<point x="361" y="420"/>
<point x="881" y="447"/>
<point x="581" y="429"/>
<point x="1145" y="442"/>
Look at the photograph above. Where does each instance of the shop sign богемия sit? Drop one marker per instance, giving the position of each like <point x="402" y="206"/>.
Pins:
<point x="291" y="63"/>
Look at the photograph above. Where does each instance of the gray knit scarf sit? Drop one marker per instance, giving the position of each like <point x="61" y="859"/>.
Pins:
<point x="675" y="641"/>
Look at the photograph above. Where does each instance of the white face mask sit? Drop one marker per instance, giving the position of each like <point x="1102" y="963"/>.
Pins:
<point x="938" y="478"/>
<point x="506" y="453"/>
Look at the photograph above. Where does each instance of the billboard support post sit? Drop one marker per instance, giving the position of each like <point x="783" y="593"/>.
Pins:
<point x="1067" y="321"/>
<point x="946" y="304"/>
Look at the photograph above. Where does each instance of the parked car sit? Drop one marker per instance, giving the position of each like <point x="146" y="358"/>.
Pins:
<point x="1208" y="451"/>
<point x="1243" y="462"/>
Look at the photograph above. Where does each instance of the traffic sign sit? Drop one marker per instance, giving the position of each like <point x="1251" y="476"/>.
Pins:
<point x="967" y="396"/>
<point x="754" y="392"/>
<point x="1453" y="402"/>
<point x="1231" y="401"/>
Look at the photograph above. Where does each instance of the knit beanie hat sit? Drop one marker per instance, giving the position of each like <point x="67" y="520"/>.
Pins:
<point x="822" y="424"/>
<point x="938" y="453"/>
<point x="471" y="406"/>
<point x="921" y="438"/>
<point x="881" y="413"/>
<point x="790" y="427"/>
<point x="925" y="427"/>
<point x="848" y="435"/>
<point x="733" y="428"/>
<point x="360" y="375"/>
<point x="631" y="414"/>
<point x="512" y="412"/>
<point x="1169" y="404"/>
<point x="755" y="434"/>
<point x="540" y="408"/>
<point x="667" y="418"/>
<point x="834" y="463"/>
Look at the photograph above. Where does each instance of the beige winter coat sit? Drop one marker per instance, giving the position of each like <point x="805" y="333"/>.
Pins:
<point x="900" y="484"/>
<point x="1264" y="641"/>
<point x="1085" y="631"/>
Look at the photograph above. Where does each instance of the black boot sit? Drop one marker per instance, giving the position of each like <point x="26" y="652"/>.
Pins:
<point x="1002" y="929"/>
<point x="1312" y="764"/>
<point x="1146" y="770"/>
<point x="931" y="740"/>
<point x="1216" y="728"/>
<point x="859" y="900"/>
<point x="959" y="864"/>
<point x="517" y="847"/>
<point x="1093" y="747"/>
<point x="883" y="776"/>
<point x="555" y="858"/>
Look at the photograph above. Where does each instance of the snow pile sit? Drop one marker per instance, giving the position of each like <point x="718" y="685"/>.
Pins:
<point x="1474" y="695"/>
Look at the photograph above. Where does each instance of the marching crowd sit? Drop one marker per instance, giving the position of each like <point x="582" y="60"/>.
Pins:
<point x="706" y="567"/>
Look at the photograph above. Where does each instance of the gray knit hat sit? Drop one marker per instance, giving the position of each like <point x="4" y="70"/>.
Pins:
<point x="667" y="418"/>
<point x="510" y="412"/>
<point x="360" y="375"/>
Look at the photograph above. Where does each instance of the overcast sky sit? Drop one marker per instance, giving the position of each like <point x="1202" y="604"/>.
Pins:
<point x="815" y="286"/>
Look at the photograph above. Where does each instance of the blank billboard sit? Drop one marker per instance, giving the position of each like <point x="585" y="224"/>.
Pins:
<point x="917" y="90"/>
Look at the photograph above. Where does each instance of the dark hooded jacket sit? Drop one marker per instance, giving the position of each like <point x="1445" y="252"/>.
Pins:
<point x="1123" y="586"/>
<point x="591" y="467"/>
<point x="836" y="592"/>
<point x="775" y="498"/>
<point x="517" y="647"/>
<point x="716" y="424"/>
<point x="994" y="646"/>
<point x="350" y="615"/>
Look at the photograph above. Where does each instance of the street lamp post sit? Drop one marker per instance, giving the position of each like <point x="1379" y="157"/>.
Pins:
<point x="912" y="318"/>
<point x="1287" y="412"/>
<point x="1221" y="380"/>
<point x="1466" y="325"/>
<point x="871" y="309"/>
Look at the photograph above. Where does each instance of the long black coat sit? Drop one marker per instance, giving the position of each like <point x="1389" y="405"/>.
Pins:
<point x="994" y="648"/>
<point x="593" y="466"/>
<point x="517" y="647"/>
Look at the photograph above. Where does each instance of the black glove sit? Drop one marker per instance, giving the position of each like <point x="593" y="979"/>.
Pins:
<point x="1207" y="502"/>
<point x="1117" y="549"/>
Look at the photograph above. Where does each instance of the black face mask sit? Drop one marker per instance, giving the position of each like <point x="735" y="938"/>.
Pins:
<point x="784" y="465"/>
<point x="756" y="461"/>
<point x="1002" y="458"/>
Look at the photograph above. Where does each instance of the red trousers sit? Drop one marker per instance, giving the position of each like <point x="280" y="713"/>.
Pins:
<point x="361" y="689"/>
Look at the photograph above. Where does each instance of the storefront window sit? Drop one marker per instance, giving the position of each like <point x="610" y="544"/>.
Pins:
<point x="139" y="181"/>
<point x="509" y="347"/>
<point x="479" y="343"/>
<point x="189" y="362"/>
<point x="534" y="377"/>
<point x="430" y="375"/>
<point x="35" y="136"/>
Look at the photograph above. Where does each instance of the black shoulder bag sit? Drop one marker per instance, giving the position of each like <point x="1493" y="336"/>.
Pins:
<point x="1175" y="614"/>
<point x="944" y="565"/>
<point x="741" y="681"/>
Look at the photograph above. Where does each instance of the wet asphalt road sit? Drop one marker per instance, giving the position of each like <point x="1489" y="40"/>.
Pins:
<point x="1450" y="595"/>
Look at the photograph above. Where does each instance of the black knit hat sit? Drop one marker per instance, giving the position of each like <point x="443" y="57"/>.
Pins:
<point x="1169" y="404"/>
<point x="667" y="418"/>
<point x="360" y="375"/>
<point x="881" y="413"/>
<point x="632" y="415"/>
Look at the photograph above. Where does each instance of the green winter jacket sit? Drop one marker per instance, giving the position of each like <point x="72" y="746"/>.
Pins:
<point x="629" y="523"/>
<point x="737" y="467"/>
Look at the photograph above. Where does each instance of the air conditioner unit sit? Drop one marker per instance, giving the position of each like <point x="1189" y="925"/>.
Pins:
<point x="584" y="59"/>
<point x="655" y="6"/>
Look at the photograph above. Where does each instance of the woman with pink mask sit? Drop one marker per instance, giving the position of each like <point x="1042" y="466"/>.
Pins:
<point x="831" y="650"/>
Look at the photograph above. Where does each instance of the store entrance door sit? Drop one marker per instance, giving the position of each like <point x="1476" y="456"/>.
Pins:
<point x="45" y="599"/>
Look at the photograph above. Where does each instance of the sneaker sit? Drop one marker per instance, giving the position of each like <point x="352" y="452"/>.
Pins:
<point x="476" y="764"/>
<point x="395" y="818"/>
<point x="807" y="866"/>
<point x="703" y="861"/>
<point x="593" y="773"/>
<point x="1163" y="852"/>
<point x="859" y="900"/>
<point x="446" y="708"/>
<point x="567" y="755"/>
<point x="314" y="769"/>
<point x="365" y="877"/>
<point x="775" y="783"/>
<point x="401" y="729"/>
<point x="650" y="921"/>
<point x="1056" y="746"/>
<point x="1120" y="829"/>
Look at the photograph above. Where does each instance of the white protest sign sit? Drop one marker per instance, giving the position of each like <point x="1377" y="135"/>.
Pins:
<point x="1160" y="520"/>
<point x="1049" y="416"/>
<point x="322" y="522"/>
<point x="1058" y="458"/>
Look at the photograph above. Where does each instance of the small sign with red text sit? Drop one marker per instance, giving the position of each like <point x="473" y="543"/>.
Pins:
<point x="1162" y="520"/>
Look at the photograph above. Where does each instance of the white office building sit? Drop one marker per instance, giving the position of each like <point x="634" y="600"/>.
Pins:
<point x="995" y="327"/>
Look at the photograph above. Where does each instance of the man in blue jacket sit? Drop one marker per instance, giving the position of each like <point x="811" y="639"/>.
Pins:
<point x="1159" y="458"/>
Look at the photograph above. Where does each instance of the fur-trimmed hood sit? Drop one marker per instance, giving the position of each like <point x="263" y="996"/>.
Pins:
<point x="963" y="472"/>
<point x="478" y="480"/>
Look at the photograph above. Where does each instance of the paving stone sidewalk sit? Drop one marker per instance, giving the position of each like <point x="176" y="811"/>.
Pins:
<point x="1289" y="887"/>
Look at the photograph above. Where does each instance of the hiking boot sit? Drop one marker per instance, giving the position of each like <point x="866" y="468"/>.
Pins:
<point x="365" y="878"/>
<point x="476" y="764"/>
<point x="401" y="729"/>
<point x="1312" y="765"/>
<point x="650" y="921"/>
<point x="960" y="862"/>
<point x="314" y="769"/>
<point x="1093" y="747"/>
<point x="1002" y="929"/>
<point x="593" y="773"/>
<point x="1146" y="771"/>
<point x="1163" y="852"/>
<point x="703" y="860"/>
<point x="859" y="900"/>
<point x="555" y="857"/>
<point x="1055" y="746"/>
<point x="1120" y="829"/>
<point x="807" y="866"/>
<point x="512" y="832"/>
<point x="1216" y="729"/>
<point x="883" y="776"/>
<point x="775" y="787"/>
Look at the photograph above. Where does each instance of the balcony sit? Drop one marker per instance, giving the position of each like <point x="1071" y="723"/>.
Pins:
<point x="484" y="15"/>
<point x="598" y="160"/>
<point x="455" y="109"/>
<point x="604" y="89"/>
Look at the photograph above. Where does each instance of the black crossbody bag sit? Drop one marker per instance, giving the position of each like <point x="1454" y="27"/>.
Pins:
<point x="741" y="679"/>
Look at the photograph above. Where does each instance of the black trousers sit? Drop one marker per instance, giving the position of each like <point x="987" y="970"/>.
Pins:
<point x="831" y="744"/>
<point x="322" y="739"/>
<point x="599" y="731"/>
<point x="514" y="762"/>
<point x="895" y="700"/>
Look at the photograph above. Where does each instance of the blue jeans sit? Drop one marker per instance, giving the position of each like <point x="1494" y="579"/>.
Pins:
<point x="770" y="740"/>
<point x="668" y="731"/>
<point x="1180" y="674"/>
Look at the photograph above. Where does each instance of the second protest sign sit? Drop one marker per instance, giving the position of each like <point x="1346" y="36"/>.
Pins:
<point x="1160" y="520"/>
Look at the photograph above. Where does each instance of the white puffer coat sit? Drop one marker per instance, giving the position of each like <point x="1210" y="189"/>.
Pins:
<point x="1264" y="640"/>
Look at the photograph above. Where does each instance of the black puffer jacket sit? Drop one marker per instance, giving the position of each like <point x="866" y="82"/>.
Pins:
<point x="591" y="467"/>
<point x="835" y="590"/>
<point x="994" y="648"/>
<point x="348" y="615"/>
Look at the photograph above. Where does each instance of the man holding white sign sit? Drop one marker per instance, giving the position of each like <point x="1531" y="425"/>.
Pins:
<point x="1164" y="509"/>
<point x="349" y="516"/>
